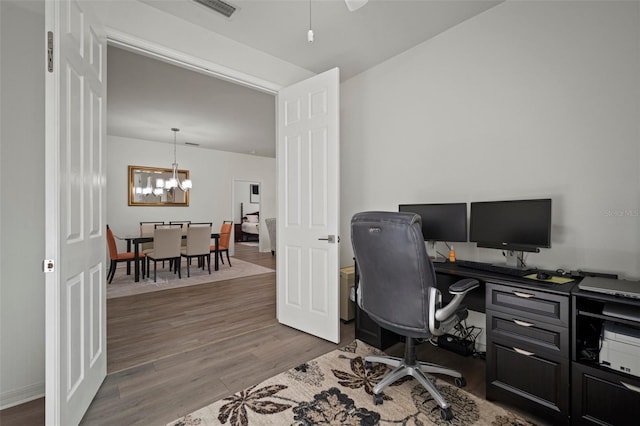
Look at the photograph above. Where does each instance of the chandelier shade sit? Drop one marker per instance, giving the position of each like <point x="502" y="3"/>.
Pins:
<point x="174" y="181"/>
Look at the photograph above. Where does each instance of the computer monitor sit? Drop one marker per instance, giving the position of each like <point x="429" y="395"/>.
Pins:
<point x="440" y="222"/>
<point x="515" y="225"/>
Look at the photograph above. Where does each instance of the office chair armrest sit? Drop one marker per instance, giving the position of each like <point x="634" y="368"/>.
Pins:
<point x="463" y="286"/>
<point x="459" y="290"/>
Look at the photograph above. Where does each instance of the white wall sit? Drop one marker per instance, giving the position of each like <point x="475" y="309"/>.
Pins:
<point x="528" y="99"/>
<point x="212" y="173"/>
<point x="21" y="202"/>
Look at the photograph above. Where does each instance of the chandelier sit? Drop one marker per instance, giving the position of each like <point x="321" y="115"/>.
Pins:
<point x="174" y="180"/>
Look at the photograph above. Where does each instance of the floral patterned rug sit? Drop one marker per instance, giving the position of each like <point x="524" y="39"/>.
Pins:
<point x="336" y="389"/>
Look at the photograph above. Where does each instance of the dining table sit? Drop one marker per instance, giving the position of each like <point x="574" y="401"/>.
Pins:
<point x="136" y="240"/>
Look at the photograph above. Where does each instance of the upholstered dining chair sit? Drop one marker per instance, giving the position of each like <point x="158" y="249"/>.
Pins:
<point x="184" y="224"/>
<point x="397" y="290"/>
<point x="225" y="238"/>
<point x="198" y="244"/>
<point x="166" y="246"/>
<point x="117" y="257"/>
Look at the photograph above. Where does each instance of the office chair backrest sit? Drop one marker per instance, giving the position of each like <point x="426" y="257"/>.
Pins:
<point x="394" y="269"/>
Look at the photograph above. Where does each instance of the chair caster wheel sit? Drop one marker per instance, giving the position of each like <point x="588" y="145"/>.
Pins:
<point x="377" y="399"/>
<point x="460" y="382"/>
<point x="446" y="413"/>
<point x="368" y="365"/>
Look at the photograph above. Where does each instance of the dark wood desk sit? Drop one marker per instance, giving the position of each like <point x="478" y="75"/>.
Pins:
<point x="528" y="337"/>
<point x="136" y="240"/>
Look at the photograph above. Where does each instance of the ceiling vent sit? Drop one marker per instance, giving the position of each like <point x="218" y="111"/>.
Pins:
<point x="219" y="6"/>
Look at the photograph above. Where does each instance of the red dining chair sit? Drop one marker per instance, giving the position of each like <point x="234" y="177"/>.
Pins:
<point x="117" y="257"/>
<point x="223" y="242"/>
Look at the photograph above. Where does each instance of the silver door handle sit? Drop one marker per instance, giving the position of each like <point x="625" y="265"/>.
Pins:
<point x="521" y="294"/>
<point x="330" y="238"/>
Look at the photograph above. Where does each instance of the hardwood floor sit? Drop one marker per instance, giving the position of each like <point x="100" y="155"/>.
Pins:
<point x="174" y="351"/>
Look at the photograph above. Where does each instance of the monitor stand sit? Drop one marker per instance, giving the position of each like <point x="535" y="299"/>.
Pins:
<point x="513" y="259"/>
<point x="433" y="253"/>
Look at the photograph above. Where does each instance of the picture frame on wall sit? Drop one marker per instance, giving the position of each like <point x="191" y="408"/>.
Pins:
<point x="254" y="193"/>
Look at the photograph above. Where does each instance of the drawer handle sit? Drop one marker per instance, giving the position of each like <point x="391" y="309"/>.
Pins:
<point x="524" y="324"/>
<point x="631" y="387"/>
<point x="521" y="294"/>
<point x="521" y="352"/>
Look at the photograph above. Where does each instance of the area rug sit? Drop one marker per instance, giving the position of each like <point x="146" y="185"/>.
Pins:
<point x="250" y="244"/>
<point x="123" y="284"/>
<point x="336" y="389"/>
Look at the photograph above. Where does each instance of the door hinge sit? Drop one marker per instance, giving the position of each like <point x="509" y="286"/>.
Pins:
<point x="50" y="51"/>
<point x="48" y="265"/>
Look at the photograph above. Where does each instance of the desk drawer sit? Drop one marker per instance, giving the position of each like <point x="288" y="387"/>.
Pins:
<point x="537" y="337"/>
<point x="530" y="381"/>
<point x="528" y="304"/>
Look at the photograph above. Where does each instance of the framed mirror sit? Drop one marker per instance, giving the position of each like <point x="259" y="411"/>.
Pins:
<point x="147" y="187"/>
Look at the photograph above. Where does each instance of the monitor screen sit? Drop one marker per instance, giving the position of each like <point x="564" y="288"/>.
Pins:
<point x="441" y="222"/>
<point x="523" y="225"/>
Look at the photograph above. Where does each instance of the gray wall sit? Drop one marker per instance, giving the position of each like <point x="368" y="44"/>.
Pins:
<point x="526" y="100"/>
<point x="21" y="202"/>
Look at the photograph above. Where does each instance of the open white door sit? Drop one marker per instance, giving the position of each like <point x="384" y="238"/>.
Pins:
<point x="308" y="206"/>
<point x="75" y="206"/>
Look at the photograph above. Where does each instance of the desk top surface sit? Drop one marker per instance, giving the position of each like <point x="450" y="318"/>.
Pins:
<point x="451" y="268"/>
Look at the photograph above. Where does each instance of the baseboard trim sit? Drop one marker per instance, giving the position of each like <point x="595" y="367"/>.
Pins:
<point x="19" y="396"/>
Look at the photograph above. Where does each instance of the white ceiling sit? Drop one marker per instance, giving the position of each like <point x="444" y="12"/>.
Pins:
<point x="147" y="97"/>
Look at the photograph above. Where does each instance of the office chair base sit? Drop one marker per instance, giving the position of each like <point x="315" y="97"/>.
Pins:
<point x="409" y="366"/>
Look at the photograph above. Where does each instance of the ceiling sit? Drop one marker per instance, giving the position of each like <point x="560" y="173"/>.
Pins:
<point x="147" y="97"/>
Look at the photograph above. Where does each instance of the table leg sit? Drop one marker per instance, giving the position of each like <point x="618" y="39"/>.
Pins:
<point x="216" y="239"/>
<point x="136" y="251"/>
<point x="129" y="262"/>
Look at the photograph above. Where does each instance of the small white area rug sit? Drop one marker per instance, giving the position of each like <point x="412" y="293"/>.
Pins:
<point x="123" y="284"/>
<point x="250" y="244"/>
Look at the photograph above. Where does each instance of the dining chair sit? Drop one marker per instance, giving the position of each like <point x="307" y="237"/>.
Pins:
<point x="117" y="257"/>
<point x="169" y="225"/>
<point x="223" y="242"/>
<point x="146" y="229"/>
<point x="198" y="240"/>
<point x="185" y="224"/>
<point x="166" y="246"/>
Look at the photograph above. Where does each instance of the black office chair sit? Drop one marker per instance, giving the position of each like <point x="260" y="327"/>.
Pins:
<point x="397" y="291"/>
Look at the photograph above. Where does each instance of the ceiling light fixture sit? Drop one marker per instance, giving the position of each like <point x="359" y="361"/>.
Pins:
<point x="310" y="32"/>
<point x="174" y="181"/>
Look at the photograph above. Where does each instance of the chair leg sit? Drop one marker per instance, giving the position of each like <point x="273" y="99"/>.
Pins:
<point x="179" y="268"/>
<point x="221" y="256"/>
<point x="188" y="270"/>
<point x="112" y="271"/>
<point x="155" y="266"/>
<point x="228" y="260"/>
<point x="208" y="263"/>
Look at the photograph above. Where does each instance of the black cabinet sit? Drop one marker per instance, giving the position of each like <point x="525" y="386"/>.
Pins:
<point x="600" y="395"/>
<point x="528" y="363"/>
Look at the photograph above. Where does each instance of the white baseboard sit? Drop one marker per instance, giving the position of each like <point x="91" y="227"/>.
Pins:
<point x="19" y="396"/>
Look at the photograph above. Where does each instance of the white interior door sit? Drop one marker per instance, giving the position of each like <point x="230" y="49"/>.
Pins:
<point x="308" y="206"/>
<point x="75" y="205"/>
